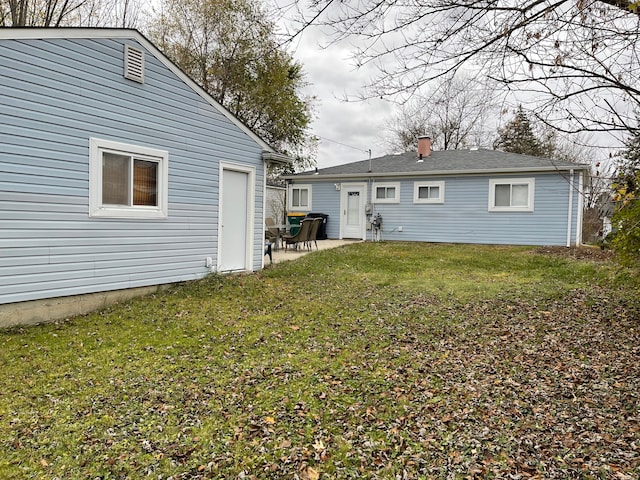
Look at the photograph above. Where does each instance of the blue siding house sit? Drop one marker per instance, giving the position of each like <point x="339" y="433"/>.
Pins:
<point x="458" y="196"/>
<point x="117" y="171"/>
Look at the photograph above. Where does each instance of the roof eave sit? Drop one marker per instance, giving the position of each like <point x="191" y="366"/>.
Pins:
<point x="276" y="158"/>
<point x="439" y="173"/>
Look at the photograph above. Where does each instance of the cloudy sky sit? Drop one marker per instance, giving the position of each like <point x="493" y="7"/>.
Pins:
<point x="347" y="130"/>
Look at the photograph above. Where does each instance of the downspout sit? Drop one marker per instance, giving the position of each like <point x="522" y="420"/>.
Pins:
<point x="368" y="217"/>
<point x="580" y="208"/>
<point x="264" y="205"/>
<point x="570" y="218"/>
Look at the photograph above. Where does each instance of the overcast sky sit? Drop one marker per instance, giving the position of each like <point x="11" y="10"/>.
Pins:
<point x="347" y="130"/>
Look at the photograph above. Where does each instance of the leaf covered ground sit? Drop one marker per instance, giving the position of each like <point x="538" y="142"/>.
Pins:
<point x="389" y="360"/>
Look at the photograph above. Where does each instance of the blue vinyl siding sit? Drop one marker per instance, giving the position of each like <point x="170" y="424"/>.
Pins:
<point x="325" y="199"/>
<point x="54" y="95"/>
<point x="464" y="217"/>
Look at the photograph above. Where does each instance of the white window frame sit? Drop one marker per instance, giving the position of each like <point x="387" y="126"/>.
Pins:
<point x="531" y="184"/>
<point x="96" y="209"/>
<point x="385" y="185"/>
<point x="290" y="205"/>
<point x="416" y="191"/>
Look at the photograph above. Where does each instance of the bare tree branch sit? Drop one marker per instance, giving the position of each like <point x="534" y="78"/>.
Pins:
<point x="580" y="57"/>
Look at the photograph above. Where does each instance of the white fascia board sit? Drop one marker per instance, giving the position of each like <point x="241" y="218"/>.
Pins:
<point x="41" y="33"/>
<point x="435" y="173"/>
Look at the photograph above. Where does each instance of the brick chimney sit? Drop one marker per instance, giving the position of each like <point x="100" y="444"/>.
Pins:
<point x="424" y="146"/>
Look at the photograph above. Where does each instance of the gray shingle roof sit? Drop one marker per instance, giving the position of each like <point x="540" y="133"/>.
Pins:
<point x="445" y="162"/>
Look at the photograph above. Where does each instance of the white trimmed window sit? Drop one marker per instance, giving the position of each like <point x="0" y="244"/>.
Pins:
<point x="511" y="195"/>
<point x="127" y="181"/>
<point x="428" y="192"/>
<point x="300" y="197"/>
<point x="385" y="193"/>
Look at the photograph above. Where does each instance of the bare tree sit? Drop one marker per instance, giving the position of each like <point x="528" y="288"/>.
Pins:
<point x="44" y="13"/>
<point x="454" y="115"/>
<point x="117" y="13"/>
<point x="578" y="60"/>
<point x="78" y="13"/>
<point x="596" y="193"/>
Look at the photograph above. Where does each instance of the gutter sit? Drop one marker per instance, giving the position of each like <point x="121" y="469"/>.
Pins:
<point x="580" y="210"/>
<point x="277" y="158"/>
<point x="439" y="173"/>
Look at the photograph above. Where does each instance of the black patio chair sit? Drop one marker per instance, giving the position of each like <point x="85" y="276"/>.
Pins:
<point x="313" y="232"/>
<point x="301" y="236"/>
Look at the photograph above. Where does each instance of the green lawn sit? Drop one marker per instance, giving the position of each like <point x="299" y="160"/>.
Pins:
<point x="385" y="360"/>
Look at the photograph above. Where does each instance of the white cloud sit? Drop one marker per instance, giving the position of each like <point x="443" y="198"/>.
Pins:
<point x="347" y="129"/>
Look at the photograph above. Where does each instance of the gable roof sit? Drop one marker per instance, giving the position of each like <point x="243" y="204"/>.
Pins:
<point x="40" y="33"/>
<point x="445" y="162"/>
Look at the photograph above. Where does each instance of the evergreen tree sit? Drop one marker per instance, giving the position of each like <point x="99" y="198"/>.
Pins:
<point x="518" y="137"/>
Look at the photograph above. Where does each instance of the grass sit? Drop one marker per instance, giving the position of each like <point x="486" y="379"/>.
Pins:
<point x="385" y="360"/>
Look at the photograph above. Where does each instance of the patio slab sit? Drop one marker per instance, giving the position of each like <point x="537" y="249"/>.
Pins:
<point x="281" y="255"/>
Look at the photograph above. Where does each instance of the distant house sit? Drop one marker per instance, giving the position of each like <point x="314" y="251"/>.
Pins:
<point x="461" y="196"/>
<point x="116" y="172"/>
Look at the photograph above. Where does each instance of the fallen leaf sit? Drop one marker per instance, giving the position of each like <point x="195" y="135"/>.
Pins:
<point x="312" y="473"/>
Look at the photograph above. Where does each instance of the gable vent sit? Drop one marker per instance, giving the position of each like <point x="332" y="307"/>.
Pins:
<point x="133" y="64"/>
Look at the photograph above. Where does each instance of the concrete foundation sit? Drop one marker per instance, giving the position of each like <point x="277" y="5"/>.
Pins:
<point x="51" y="309"/>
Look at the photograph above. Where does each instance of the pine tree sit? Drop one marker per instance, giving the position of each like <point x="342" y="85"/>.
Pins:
<point x="518" y="137"/>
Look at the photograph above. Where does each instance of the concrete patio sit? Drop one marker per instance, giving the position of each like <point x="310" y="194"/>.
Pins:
<point x="282" y="255"/>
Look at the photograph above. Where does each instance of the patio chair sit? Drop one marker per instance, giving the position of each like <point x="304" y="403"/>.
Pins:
<point x="313" y="232"/>
<point x="271" y="233"/>
<point x="301" y="236"/>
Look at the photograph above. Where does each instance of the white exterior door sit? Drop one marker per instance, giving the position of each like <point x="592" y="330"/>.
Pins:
<point x="352" y="201"/>
<point x="236" y="206"/>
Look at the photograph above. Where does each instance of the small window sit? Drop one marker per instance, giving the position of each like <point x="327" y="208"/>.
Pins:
<point x="386" y="193"/>
<point x="428" y="192"/>
<point x="300" y="197"/>
<point x="511" y="195"/>
<point x="127" y="180"/>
